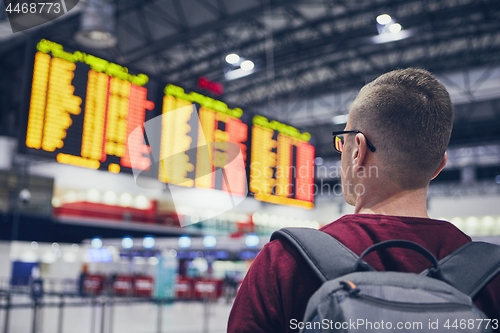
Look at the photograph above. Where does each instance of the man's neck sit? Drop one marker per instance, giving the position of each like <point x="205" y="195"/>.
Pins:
<point x="401" y="203"/>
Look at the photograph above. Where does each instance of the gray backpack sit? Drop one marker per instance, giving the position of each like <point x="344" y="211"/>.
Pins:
<point x="356" y="298"/>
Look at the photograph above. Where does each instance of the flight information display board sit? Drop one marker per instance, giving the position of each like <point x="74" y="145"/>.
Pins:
<point x="282" y="164"/>
<point x="198" y="143"/>
<point x="85" y="111"/>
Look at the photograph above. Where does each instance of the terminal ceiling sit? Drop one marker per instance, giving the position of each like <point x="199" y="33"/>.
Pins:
<point x="309" y="55"/>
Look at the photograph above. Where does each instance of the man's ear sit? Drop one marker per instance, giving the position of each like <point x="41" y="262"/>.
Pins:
<point x="441" y="166"/>
<point x="359" y="151"/>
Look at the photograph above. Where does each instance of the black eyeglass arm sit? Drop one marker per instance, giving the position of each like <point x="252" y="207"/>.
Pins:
<point x="369" y="144"/>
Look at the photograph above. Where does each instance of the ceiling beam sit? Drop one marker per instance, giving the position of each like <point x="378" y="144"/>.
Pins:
<point x="182" y="36"/>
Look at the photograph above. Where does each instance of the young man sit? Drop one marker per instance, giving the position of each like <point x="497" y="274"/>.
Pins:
<point x="393" y="145"/>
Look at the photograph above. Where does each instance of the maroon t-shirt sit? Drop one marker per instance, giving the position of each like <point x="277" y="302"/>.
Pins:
<point x="279" y="283"/>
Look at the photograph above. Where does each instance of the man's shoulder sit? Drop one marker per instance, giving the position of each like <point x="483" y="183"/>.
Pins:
<point x="385" y="222"/>
<point x="381" y="218"/>
<point x="359" y="231"/>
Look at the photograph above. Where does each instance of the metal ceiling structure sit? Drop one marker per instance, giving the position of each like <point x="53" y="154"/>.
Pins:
<point x="317" y="47"/>
<point x="311" y="56"/>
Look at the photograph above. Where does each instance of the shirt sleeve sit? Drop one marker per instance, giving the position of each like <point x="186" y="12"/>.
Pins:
<point x="274" y="293"/>
<point x="256" y="307"/>
<point x="488" y="300"/>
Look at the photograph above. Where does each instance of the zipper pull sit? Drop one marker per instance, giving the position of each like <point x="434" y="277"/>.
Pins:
<point x="350" y="287"/>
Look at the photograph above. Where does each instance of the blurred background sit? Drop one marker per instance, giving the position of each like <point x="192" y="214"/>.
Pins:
<point x="99" y="232"/>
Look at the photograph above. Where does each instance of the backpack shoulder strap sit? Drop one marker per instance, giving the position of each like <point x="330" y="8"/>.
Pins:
<point x="471" y="267"/>
<point x="326" y="256"/>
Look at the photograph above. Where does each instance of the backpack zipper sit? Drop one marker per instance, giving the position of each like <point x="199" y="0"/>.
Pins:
<point x="414" y="306"/>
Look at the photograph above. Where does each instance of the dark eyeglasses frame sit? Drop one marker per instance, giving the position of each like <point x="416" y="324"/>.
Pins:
<point x="334" y="134"/>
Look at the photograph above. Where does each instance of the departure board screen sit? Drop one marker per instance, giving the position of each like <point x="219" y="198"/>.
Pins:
<point x="86" y="111"/>
<point x="199" y="140"/>
<point x="282" y="164"/>
<point x="83" y="109"/>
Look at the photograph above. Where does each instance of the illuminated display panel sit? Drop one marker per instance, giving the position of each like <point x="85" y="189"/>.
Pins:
<point x="83" y="108"/>
<point x="237" y="133"/>
<point x="199" y="136"/>
<point x="83" y="111"/>
<point x="175" y="142"/>
<point x="282" y="164"/>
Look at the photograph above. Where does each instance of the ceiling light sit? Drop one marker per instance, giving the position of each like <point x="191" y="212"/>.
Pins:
<point x="384" y="19"/>
<point x="126" y="200"/>
<point x="232" y="58"/>
<point x="148" y="242"/>
<point x="340" y="119"/>
<point x="391" y="37"/>
<point x="184" y="242"/>
<point x="236" y="74"/>
<point x="395" y="28"/>
<point x="247" y="65"/>
<point x="96" y="243"/>
<point x="97" y="24"/>
<point x="252" y="240"/>
<point x="93" y="195"/>
<point x="141" y="202"/>
<point x="127" y="243"/>
<point x="209" y="241"/>
<point x="110" y="198"/>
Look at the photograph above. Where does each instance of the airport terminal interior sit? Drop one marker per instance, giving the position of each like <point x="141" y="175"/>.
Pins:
<point x="149" y="149"/>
